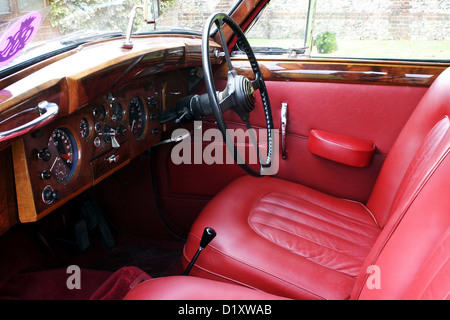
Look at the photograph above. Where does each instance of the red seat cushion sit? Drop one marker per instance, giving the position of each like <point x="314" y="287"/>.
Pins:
<point x="193" y="288"/>
<point x="284" y="238"/>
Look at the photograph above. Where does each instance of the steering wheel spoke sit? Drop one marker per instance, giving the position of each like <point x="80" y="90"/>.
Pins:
<point x="219" y="25"/>
<point x="225" y="101"/>
<point x="256" y="84"/>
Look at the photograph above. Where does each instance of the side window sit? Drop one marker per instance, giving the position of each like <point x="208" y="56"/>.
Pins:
<point x="29" y="5"/>
<point x="372" y="29"/>
<point x="4" y="7"/>
<point x="282" y="25"/>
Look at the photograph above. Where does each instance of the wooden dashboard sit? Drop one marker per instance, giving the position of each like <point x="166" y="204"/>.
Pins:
<point x="108" y="99"/>
<point x="59" y="161"/>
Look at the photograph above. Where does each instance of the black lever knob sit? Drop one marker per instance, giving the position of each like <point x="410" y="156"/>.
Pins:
<point x="208" y="235"/>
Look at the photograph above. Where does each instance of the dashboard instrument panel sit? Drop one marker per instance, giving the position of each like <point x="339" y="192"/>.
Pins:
<point x="75" y="152"/>
<point x="96" y="107"/>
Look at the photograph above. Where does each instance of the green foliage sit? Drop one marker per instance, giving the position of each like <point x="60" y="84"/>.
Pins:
<point x="165" y="5"/>
<point x="73" y="15"/>
<point x="326" y="42"/>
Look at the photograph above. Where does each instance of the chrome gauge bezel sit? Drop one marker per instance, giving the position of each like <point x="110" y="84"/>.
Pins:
<point x="66" y="143"/>
<point x="137" y="118"/>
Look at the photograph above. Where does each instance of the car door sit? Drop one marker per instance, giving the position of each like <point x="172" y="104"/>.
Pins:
<point x="359" y="100"/>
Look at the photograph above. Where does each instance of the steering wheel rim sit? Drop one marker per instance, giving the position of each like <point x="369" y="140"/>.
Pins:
<point x="241" y="105"/>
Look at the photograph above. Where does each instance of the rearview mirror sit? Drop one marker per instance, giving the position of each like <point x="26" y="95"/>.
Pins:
<point x="151" y="14"/>
<point x="151" y="11"/>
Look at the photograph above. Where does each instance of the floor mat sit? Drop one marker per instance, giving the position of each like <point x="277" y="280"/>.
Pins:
<point x="35" y="267"/>
<point x="155" y="261"/>
<point x="52" y="285"/>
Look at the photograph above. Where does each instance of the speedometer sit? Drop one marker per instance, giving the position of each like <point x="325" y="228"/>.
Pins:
<point x="137" y="117"/>
<point x="62" y="144"/>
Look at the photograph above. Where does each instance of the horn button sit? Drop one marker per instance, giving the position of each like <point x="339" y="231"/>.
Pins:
<point x="244" y="96"/>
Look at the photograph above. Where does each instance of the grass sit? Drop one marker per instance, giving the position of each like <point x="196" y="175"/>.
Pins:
<point x="390" y="49"/>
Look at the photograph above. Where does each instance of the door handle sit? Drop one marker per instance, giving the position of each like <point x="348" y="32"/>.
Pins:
<point x="284" y="115"/>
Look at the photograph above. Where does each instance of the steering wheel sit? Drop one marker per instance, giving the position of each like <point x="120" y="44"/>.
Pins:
<point x="239" y="94"/>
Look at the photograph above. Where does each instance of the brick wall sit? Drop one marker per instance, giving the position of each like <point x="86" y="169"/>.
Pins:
<point x="350" y="19"/>
<point x="359" y="19"/>
<point x="386" y="19"/>
<point x="193" y="13"/>
<point x="45" y="32"/>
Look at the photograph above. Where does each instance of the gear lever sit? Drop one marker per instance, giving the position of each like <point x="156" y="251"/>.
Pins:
<point x="208" y="235"/>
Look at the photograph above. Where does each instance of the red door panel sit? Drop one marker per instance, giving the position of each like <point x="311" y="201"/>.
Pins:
<point x="371" y="112"/>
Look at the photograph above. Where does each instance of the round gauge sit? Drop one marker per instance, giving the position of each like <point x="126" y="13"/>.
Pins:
<point x="102" y="113"/>
<point x="137" y="117"/>
<point x="119" y="112"/>
<point x="62" y="144"/>
<point x="84" y="128"/>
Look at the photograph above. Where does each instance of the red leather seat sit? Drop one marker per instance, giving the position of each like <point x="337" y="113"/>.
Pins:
<point x="295" y="242"/>
<point x="284" y="238"/>
<point x="193" y="288"/>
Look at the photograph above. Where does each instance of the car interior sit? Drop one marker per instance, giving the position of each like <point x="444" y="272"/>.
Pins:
<point x="348" y="198"/>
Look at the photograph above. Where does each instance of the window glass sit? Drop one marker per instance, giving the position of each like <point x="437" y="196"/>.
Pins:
<point x="385" y="29"/>
<point x="29" y="5"/>
<point x="190" y="14"/>
<point x="414" y="29"/>
<point x="4" y="7"/>
<point x="64" y="23"/>
<point x="281" y="24"/>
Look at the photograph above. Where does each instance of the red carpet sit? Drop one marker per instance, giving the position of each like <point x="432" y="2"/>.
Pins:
<point x="52" y="285"/>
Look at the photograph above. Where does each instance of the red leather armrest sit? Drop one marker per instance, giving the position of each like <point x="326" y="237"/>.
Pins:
<point x="342" y="149"/>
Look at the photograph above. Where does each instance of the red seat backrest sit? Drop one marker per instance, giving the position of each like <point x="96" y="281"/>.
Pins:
<point x="411" y="202"/>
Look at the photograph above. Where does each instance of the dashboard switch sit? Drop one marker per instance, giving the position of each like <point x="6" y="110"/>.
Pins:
<point x="113" y="158"/>
<point x="46" y="174"/>
<point x="44" y="154"/>
<point x="49" y="195"/>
